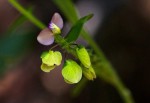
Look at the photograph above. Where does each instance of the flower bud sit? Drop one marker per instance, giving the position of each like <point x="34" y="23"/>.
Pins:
<point x="89" y="73"/>
<point x="83" y="57"/>
<point x="50" y="60"/>
<point x="71" y="72"/>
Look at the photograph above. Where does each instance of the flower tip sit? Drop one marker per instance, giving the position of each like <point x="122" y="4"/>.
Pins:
<point x="57" y="20"/>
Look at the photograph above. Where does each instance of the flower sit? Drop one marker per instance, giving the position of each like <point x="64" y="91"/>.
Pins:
<point x="71" y="72"/>
<point x="46" y="36"/>
<point x="50" y="60"/>
<point x="57" y="20"/>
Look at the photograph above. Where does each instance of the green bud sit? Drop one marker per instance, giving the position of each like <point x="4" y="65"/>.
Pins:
<point x="71" y="72"/>
<point x="83" y="57"/>
<point x="89" y="73"/>
<point x="50" y="60"/>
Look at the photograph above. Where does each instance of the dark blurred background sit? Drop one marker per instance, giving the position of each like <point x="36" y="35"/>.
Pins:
<point x="120" y="27"/>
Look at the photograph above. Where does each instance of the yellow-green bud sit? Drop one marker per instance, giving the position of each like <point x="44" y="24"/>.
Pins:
<point x="84" y="57"/>
<point x="50" y="60"/>
<point x="71" y="72"/>
<point x="89" y="73"/>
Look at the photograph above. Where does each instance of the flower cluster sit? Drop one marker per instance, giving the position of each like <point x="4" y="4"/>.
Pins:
<point x="72" y="71"/>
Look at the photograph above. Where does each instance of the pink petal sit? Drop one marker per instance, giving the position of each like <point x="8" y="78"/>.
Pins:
<point x="57" y="20"/>
<point x="45" y="37"/>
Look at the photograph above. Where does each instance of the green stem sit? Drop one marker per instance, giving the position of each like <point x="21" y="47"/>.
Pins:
<point x="107" y="73"/>
<point x="124" y="92"/>
<point x="119" y="85"/>
<point x="29" y="15"/>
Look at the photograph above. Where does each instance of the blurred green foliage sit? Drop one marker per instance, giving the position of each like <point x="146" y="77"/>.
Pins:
<point x="15" y="42"/>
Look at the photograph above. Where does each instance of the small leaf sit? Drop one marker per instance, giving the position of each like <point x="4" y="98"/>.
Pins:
<point x="76" y="29"/>
<point x="72" y="72"/>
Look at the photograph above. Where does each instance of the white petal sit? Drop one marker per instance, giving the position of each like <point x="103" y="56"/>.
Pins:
<point x="57" y="20"/>
<point x="45" y="37"/>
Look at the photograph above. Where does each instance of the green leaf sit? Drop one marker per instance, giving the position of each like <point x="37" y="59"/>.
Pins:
<point x="76" y="29"/>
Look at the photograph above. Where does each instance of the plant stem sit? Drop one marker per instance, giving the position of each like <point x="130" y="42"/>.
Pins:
<point x="125" y="93"/>
<point x="29" y="15"/>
